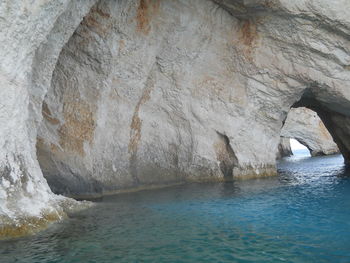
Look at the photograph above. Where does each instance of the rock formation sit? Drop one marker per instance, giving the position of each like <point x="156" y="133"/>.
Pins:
<point x="118" y="94"/>
<point x="305" y="126"/>
<point x="284" y="148"/>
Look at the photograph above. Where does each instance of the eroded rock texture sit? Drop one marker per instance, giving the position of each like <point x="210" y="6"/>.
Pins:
<point x="305" y="126"/>
<point x="159" y="91"/>
<point x="32" y="35"/>
<point x="284" y="148"/>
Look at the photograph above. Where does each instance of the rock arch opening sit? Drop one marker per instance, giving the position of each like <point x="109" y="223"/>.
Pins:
<point x="305" y="127"/>
<point x="288" y="147"/>
<point x="298" y="148"/>
<point x="333" y="114"/>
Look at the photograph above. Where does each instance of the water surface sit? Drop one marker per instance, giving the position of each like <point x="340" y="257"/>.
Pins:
<point x="302" y="215"/>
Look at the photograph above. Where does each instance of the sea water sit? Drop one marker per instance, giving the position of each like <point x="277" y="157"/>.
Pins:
<point x="302" y="215"/>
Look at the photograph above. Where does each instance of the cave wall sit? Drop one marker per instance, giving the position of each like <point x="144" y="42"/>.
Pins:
<point x="143" y="103"/>
<point x="157" y="91"/>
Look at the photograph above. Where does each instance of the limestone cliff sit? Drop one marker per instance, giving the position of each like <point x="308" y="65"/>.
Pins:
<point x="117" y="94"/>
<point x="305" y="126"/>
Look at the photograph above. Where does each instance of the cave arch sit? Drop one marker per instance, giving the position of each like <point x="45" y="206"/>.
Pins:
<point x="90" y="68"/>
<point x="69" y="109"/>
<point x="145" y="132"/>
<point x="334" y="118"/>
<point x="106" y="57"/>
<point x="307" y="128"/>
<point x="88" y="149"/>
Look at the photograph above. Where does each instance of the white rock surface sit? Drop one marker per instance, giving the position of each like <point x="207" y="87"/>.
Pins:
<point x="154" y="92"/>
<point x="25" y="27"/>
<point x="305" y="126"/>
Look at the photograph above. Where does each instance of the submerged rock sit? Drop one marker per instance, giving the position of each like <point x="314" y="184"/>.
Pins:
<point x="111" y="95"/>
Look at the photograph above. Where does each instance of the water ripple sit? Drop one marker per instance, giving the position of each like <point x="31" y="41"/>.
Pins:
<point x="302" y="215"/>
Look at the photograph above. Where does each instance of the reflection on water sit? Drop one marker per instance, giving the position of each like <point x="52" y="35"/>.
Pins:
<point x="302" y="215"/>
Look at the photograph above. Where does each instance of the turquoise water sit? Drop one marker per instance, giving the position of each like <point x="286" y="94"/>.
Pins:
<point x="303" y="215"/>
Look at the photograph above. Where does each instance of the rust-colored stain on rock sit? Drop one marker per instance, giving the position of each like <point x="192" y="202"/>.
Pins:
<point x="121" y="45"/>
<point x="146" y="9"/>
<point x="101" y="12"/>
<point x="29" y="225"/>
<point x="248" y="36"/>
<point x="248" y="33"/>
<point x="269" y="4"/>
<point x="98" y="21"/>
<point x="135" y="132"/>
<point x="136" y="122"/>
<point x="79" y="126"/>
